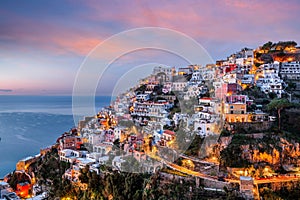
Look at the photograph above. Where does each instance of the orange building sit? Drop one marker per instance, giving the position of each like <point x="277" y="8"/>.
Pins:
<point x="23" y="164"/>
<point x="71" y="142"/>
<point x="23" y="190"/>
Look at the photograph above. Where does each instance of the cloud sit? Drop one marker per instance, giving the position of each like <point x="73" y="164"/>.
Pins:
<point x="210" y="22"/>
<point x="215" y="24"/>
<point x="6" y="90"/>
<point x="65" y="32"/>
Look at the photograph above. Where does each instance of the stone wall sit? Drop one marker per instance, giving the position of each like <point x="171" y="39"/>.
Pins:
<point x="214" y="184"/>
<point x="252" y="127"/>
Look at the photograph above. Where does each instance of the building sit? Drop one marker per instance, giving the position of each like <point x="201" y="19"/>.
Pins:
<point x="235" y="108"/>
<point x="142" y="97"/>
<point x="226" y="89"/>
<point x="231" y="77"/>
<point x="203" y="127"/>
<point x="290" y="70"/>
<point x="72" y="173"/>
<point x="83" y="162"/>
<point x="194" y="91"/>
<point x="247" y="79"/>
<point x="103" y="148"/>
<point x="23" y="189"/>
<point x="247" y="187"/>
<point x="179" y="86"/>
<point x="243" y="58"/>
<point x="196" y="77"/>
<point x="186" y="70"/>
<point x="117" y="162"/>
<point x="103" y="160"/>
<point x="139" y="155"/>
<point x="271" y="83"/>
<point x="95" y="138"/>
<point x="151" y="109"/>
<point x="70" y="142"/>
<point x="6" y="191"/>
<point x="23" y="164"/>
<point x="163" y="74"/>
<point x="68" y="155"/>
<point x="167" y="137"/>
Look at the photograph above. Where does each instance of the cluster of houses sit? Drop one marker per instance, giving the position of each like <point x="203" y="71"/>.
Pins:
<point x="6" y="192"/>
<point x="140" y="120"/>
<point x="239" y="72"/>
<point x="136" y="122"/>
<point x="145" y="118"/>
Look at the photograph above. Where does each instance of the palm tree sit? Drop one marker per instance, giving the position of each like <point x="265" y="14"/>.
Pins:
<point x="279" y="105"/>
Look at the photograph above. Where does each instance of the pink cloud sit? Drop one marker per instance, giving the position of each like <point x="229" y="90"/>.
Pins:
<point x="206" y="21"/>
<point x="213" y="20"/>
<point x="54" y="37"/>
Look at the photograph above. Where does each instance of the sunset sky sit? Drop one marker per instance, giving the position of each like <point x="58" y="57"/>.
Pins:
<point x="43" y="43"/>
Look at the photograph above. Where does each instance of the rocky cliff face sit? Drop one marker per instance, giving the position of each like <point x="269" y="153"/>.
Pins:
<point x="271" y="149"/>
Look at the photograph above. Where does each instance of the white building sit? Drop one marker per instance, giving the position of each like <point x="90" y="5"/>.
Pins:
<point x="163" y="74"/>
<point x="271" y="83"/>
<point x="151" y="109"/>
<point x="247" y="187"/>
<point x="247" y="79"/>
<point x="290" y="70"/>
<point x="271" y="68"/>
<point x="203" y="127"/>
<point x="68" y="155"/>
<point x="103" y="148"/>
<point x="242" y="58"/>
<point x="230" y="77"/>
<point x="196" y="77"/>
<point x="179" y="86"/>
<point x="192" y="91"/>
<point x="117" y="162"/>
<point x="5" y="189"/>
<point x="83" y="162"/>
<point x="142" y="97"/>
<point x="103" y="160"/>
<point x="95" y="139"/>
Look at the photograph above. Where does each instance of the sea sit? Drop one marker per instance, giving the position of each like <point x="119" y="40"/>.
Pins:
<point x="29" y="123"/>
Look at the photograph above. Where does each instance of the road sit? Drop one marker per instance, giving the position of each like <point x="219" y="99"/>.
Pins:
<point x="198" y="161"/>
<point x="189" y="172"/>
<point x="276" y="179"/>
<point x="214" y="178"/>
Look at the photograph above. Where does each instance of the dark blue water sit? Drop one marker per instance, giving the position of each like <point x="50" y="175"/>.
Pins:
<point x="28" y="123"/>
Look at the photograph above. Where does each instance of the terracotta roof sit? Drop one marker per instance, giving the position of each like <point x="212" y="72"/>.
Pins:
<point x="169" y="132"/>
<point x="206" y="98"/>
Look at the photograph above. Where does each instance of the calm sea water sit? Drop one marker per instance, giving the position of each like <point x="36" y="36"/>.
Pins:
<point x="28" y="123"/>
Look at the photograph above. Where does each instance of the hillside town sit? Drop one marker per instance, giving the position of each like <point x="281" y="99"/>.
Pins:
<point x="221" y="126"/>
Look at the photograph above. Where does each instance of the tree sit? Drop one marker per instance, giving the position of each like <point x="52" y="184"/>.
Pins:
<point x="278" y="105"/>
<point x="267" y="46"/>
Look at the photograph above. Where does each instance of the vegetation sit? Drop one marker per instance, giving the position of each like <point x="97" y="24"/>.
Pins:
<point x="279" y="105"/>
<point x="194" y="148"/>
<point x="18" y="177"/>
<point x="287" y="191"/>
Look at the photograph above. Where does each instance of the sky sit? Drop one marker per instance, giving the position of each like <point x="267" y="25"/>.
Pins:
<point x="44" y="43"/>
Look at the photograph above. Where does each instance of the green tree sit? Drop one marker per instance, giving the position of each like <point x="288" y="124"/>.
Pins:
<point x="267" y="46"/>
<point x="278" y="105"/>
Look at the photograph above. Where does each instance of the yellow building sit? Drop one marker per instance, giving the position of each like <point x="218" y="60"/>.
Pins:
<point x="23" y="164"/>
<point x="235" y="109"/>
